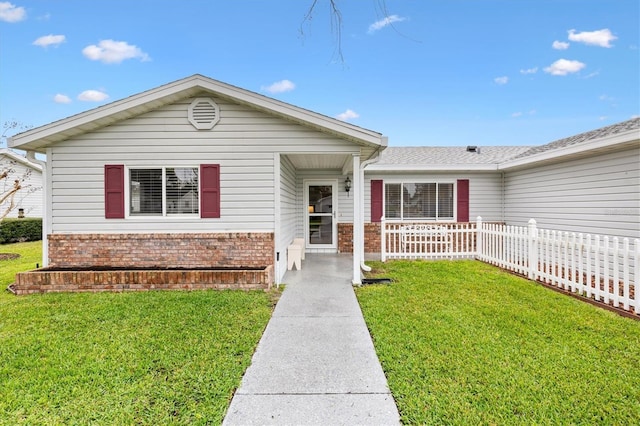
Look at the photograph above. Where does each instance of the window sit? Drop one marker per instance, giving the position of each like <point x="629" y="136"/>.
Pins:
<point x="163" y="191"/>
<point x="419" y="201"/>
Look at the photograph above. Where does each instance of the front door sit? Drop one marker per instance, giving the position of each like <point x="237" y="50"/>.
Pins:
<point x="320" y="224"/>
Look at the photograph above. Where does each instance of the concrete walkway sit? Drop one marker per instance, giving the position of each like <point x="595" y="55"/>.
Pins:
<point x="315" y="363"/>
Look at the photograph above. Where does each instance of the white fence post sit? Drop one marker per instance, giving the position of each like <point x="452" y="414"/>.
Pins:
<point x="533" y="249"/>
<point x="383" y="239"/>
<point x="479" y="251"/>
<point x="636" y="276"/>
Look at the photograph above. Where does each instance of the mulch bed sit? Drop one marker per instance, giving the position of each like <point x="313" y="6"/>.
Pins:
<point x="9" y="256"/>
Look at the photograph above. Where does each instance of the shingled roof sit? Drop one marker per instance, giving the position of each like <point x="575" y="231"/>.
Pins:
<point x="456" y="155"/>
<point x="633" y="124"/>
<point x="488" y="157"/>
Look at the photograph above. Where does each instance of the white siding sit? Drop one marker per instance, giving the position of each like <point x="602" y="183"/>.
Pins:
<point x="597" y="195"/>
<point x="30" y="198"/>
<point x="485" y="190"/>
<point x="243" y="143"/>
<point x="288" y="211"/>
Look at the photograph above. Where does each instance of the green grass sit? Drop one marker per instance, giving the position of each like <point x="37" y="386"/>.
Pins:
<point x="123" y="358"/>
<point x="466" y="343"/>
<point x="30" y="255"/>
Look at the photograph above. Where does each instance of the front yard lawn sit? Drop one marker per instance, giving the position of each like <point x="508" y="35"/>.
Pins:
<point x="124" y="358"/>
<point x="466" y="343"/>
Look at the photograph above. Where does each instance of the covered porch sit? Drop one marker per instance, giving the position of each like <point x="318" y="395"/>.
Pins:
<point x="319" y="206"/>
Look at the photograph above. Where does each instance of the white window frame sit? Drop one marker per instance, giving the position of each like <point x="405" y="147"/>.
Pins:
<point x="164" y="215"/>
<point x="419" y="181"/>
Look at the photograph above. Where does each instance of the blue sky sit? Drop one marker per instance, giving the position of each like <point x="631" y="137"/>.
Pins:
<point x="422" y="72"/>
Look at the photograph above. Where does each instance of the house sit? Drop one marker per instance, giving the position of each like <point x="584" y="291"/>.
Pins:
<point x="587" y="183"/>
<point x="117" y="174"/>
<point x="198" y="174"/>
<point x="28" y="201"/>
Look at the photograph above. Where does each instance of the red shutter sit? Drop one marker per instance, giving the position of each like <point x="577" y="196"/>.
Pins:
<point x="376" y="200"/>
<point x="210" y="190"/>
<point x="114" y="191"/>
<point x="463" y="200"/>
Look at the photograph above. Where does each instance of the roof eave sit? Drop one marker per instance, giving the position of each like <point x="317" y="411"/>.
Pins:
<point x="431" y="167"/>
<point x="618" y="140"/>
<point x="20" y="159"/>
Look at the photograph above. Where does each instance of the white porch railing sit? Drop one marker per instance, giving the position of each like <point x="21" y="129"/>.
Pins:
<point x="427" y="240"/>
<point x="601" y="268"/>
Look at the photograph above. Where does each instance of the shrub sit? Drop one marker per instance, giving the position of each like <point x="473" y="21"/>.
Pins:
<point x="20" y="230"/>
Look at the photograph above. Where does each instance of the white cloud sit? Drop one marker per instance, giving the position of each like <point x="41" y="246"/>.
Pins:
<point x="279" y="87"/>
<point x="61" y="99"/>
<point x="347" y="115"/>
<point x="92" y="96"/>
<point x="516" y="114"/>
<point x="633" y="117"/>
<point x="602" y="38"/>
<point x="501" y="80"/>
<point x="529" y="71"/>
<point x="602" y="118"/>
<point x="114" y="52"/>
<point x="385" y="22"/>
<point x="11" y="13"/>
<point x="49" y="40"/>
<point x="560" y="45"/>
<point x="564" y="67"/>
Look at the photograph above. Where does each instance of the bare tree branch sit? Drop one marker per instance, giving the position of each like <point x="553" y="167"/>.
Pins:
<point x="336" y="24"/>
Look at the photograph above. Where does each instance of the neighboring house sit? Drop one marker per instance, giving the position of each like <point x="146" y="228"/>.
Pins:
<point x="588" y="183"/>
<point x="123" y="178"/>
<point x="28" y="200"/>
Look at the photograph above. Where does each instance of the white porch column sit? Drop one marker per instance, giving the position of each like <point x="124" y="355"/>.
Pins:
<point x="357" y="220"/>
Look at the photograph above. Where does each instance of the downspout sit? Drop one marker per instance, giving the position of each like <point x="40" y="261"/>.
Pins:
<point x="363" y="165"/>
<point x="46" y="222"/>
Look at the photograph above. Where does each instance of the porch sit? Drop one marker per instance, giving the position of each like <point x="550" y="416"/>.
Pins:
<point x="319" y="205"/>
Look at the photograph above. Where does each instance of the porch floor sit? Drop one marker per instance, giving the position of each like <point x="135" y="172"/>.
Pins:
<point x="315" y="363"/>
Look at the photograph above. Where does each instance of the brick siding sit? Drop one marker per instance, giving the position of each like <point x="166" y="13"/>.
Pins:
<point x="226" y="250"/>
<point x="371" y="238"/>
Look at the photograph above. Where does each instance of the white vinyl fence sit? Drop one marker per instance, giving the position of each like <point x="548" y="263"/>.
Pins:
<point x="598" y="267"/>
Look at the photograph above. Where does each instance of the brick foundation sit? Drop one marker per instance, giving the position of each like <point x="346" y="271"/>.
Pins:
<point x="153" y="261"/>
<point x="52" y="280"/>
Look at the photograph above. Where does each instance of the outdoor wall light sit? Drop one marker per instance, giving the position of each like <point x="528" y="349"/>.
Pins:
<point x="347" y="185"/>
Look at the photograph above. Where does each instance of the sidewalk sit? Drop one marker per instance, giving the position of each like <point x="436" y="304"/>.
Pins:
<point x="315" y="363"/>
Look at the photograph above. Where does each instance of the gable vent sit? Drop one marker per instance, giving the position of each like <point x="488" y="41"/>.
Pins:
<point x="203" y="113"/>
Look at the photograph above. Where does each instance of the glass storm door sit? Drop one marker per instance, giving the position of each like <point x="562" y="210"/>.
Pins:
<point x="322" y="205"/>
